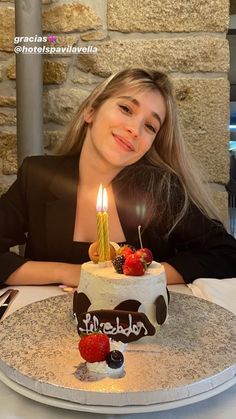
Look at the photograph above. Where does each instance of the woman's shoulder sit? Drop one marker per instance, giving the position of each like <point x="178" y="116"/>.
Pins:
<point x="44" y="160"/>
<point x="40" y="170"/>
<point x="45" y="163"/>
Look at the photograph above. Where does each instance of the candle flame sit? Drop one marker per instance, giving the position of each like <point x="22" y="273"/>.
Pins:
<point x="105" y="200"/>
<point x="99" y="205"/>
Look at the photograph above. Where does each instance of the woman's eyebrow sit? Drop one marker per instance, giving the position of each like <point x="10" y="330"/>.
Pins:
<point x="136" y="103"/>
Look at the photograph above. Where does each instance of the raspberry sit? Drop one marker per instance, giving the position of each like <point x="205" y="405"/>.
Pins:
<point x="118" y="263"/>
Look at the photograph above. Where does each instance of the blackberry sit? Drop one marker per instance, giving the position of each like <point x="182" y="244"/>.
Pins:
<point x="118" y="263"/>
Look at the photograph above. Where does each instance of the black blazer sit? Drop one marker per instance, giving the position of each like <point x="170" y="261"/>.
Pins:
<point x="39" y="210"/>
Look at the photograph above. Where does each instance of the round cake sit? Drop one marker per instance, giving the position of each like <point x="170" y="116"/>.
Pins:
<point x="124" y="307"/>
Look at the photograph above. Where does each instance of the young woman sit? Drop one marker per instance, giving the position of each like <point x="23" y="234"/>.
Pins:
<point x="126" y="136"/>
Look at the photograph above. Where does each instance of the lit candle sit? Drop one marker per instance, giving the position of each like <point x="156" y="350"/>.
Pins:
<point x="105" y="226"/>
<point x="101" y="250"/>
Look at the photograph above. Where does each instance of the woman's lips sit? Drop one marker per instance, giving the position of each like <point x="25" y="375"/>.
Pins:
<point x="125" y="144"/>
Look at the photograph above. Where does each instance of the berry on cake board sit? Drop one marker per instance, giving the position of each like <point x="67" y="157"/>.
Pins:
<point x="115" y="359"/>
<point x="102" y="355"/>
<point x="94" y="347"/>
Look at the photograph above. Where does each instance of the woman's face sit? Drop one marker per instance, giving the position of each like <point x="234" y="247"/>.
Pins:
<point x="123" y="129"/>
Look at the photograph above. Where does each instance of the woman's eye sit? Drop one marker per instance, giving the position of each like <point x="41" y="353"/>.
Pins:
<point x="125" y="108"/>
<point x="151" y="128"/>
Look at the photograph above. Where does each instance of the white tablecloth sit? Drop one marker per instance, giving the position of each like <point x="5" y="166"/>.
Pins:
<point x="15" y="406"/>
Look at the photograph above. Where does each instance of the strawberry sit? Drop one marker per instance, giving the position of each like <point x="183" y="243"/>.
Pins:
<point x="133" y="265"/>
<point x="94" y="347"/>
<point x="125" y="250"/>
<point x="146" y="254"/>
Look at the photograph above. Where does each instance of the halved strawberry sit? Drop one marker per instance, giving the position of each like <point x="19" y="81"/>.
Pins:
<point x="94" y="347"/>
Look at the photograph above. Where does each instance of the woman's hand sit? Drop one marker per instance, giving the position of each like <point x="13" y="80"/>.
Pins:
<point x="69" y="274"/>
<point x="172" y="276"/>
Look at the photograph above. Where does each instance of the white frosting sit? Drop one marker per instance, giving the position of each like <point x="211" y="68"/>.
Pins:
<point x="105" y="288"/>
<point x="102" y="367"/>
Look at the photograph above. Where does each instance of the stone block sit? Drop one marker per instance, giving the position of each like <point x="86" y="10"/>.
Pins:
<point x="204" y="113"/>
<point x="61" y="104"/>
<point x="9" y="166"/>
<point x="54" y="72"/>
<point x="186" y="54"/>
<point x="220" y="199"/>
<point x="7" y="117"/>
<point x="70" y="17"/>
<point x="62" y="41"/>
<point x="8" y="101"/>
<point x="93" y="36"/>
<point x="77" y="76"/>
<point x="7" y="28"/>
<point x="52" y="139"/>
<point x="7" y="142"/>
<point x="11" y="71"/>
<point x="168" y="16"/>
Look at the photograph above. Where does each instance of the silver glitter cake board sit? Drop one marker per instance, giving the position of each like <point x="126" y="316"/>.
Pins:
<point x="191" y="358"/>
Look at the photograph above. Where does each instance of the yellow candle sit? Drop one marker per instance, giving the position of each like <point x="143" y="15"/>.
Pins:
<point x="101" y="250"/>
<point x="105" y="226"/>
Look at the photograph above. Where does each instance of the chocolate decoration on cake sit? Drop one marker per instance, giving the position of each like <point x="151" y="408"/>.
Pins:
<point x="120" y="325"/>
<point x="161" y="309"/>
<point x="81" y="303"/>
<point x="128" y="305"/>
<point x="168" y="295"/>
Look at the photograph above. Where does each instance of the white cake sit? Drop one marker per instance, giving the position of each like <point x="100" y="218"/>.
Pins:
<point x="125" y="307"/>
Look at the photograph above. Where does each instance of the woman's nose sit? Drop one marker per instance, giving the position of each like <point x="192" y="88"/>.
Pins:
<point x="133" y="128"/>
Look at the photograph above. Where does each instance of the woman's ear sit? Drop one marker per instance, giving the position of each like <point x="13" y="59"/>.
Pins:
<point x="88" y="115"/>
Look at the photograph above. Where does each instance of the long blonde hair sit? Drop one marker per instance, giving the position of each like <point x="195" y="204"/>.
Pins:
<point x="168" y="152"/>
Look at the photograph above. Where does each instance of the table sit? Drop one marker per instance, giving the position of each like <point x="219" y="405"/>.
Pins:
<point x="15" y="406"/>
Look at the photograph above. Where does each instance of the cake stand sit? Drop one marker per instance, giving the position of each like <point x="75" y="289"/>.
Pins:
<point x="192" y="357"/>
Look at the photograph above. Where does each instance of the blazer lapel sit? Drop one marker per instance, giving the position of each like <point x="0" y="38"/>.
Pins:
<point x="61" y="209"/>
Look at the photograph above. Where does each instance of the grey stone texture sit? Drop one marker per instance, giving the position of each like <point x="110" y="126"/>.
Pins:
<point x="168" y="15"/>
<point x="61" y="104"/>
<point x="204" y="114"/>
<point x="220" y="199"/>
<point x="52" y="139"/>
<point x="184" y="54"/>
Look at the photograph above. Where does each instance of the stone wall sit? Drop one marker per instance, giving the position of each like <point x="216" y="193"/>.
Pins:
<point x="185" y="39"/>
